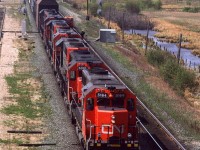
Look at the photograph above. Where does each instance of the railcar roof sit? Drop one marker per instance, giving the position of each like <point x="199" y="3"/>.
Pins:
<point x="49" y="11"/>
<point x="100" y="76"/>
<point x="74" y="44"/>
<point x="58" y="22"/>
<point x="83" y="55"/>
<point x="68" y="40"/>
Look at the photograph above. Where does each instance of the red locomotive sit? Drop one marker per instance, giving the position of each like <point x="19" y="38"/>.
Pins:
<point x="102" y="109"/>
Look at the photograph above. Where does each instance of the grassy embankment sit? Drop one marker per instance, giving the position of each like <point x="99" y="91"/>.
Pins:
<point x="163" y="105"/>
<point x="27" y="101"/>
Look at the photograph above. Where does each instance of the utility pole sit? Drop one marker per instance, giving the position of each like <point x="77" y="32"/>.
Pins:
<point x="147" y="37"/>
<point x="179" y="48"/>
<point x="87" y="17"/>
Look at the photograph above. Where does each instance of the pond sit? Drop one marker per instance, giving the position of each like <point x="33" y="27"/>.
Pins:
<point x="190" y="60"/>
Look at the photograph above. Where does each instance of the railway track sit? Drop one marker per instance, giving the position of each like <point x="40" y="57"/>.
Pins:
<point x="157" y="136"/>
<point x="2" y="17"/>
<point x="153" y="131"/>
<point x="157" y="142"/>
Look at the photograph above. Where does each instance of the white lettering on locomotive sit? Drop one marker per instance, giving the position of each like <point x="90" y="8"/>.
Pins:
<point x="108" y="129"/>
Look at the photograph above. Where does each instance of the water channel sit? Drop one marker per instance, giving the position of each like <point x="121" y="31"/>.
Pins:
<point x="189" y="59"/>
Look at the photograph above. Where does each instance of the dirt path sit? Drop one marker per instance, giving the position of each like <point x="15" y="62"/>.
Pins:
<point x="9" y="55"/>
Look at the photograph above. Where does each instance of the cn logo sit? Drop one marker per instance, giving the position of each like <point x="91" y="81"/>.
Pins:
<point x="108" y="129"/>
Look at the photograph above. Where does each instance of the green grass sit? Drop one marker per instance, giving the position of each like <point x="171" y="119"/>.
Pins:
<point x="164" y="107"/>
<point x="155" y="100"/>
<point x="178" y="77"/>
<point x="11" y="141"/>
<point x="21" y="92"/>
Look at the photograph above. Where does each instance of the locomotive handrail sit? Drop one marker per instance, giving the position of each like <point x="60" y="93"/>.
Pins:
<point x="90" y="133"/>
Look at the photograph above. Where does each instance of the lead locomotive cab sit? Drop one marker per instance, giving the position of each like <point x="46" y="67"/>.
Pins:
<point x="109" y="108"/>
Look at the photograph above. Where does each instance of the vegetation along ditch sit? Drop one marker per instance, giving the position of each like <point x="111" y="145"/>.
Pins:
<point x="156" y="77"/>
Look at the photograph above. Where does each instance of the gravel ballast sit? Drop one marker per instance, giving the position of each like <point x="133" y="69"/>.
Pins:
<point x="58" y="123"/>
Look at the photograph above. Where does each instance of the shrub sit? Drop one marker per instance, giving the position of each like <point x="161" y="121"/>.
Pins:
<point x="93" y="8"/>
<point x="184" y="79"/>
<point x="186" y="9"/>
<point x="75" y="5"/>
<point x="155" y="57"/>
<point x="157" y="4"/>
<point x="132" y="6"/>
<point x="188" y="2"/>
<point x="190" y="9"/>
<point x="178" y="77"/>
<point x="106" y="6"/>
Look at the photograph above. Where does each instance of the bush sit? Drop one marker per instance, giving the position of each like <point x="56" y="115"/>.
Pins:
<point x="106" y="6"/>
<point x="168" y="71"/>
<point x="190" y="9"/>
<point x="188" y="2"/>
<point x="75" y="5"/>
<point x="132" y="6"/>
<point x="155" y="57"/>
<point x="93" y="9"/>
<point x="184" y="79"/>
<point x="157" y="4"/>
<point x="178" y="77"/>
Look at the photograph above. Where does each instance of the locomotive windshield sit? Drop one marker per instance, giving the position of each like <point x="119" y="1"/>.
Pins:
<point x="103" y="102"/>
<point x="118" y="103"/>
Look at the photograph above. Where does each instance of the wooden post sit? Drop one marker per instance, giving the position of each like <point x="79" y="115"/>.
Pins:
<point x="109" y="18"/>
<point x="147" y="37"/>
<point x="123" y="27"/>
<point x="87" y="17"/>
<point x="179" y="49"/>
<point x="199" y="68"/>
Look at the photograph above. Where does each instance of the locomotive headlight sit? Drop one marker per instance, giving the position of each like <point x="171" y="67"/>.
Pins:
<point x="113" y="118"/>
<point x="99" y="135"/>
<point x="129" y="135"/>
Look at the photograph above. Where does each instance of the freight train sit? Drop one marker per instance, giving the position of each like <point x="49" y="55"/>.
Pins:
<point x="102" y="109"/>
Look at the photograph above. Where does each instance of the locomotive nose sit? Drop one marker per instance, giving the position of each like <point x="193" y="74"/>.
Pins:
<point x="112" y="122"/>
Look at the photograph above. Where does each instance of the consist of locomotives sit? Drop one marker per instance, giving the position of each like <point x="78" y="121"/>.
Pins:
<point x="102" y="109"/>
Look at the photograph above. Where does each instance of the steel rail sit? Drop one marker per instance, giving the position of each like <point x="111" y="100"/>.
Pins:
<point x="149" y="133"/>
<point x="127" y="88"/>
<point x="161" y="125"/>
<point x="142" y="104"/>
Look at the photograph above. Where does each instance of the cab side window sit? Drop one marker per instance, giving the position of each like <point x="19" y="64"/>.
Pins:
<point x="73" y="75"/>
<point x="130" y="105"/>
<point x="90" y="104"/>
